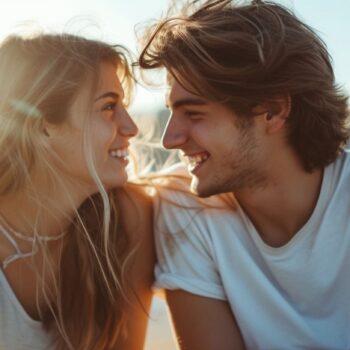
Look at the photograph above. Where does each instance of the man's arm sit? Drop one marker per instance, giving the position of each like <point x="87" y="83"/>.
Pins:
<point x="203" y="323"/>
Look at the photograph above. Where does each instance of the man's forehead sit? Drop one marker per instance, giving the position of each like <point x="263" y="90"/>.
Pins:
<point x="176" y="93"/>
<point x="170" y="79"/>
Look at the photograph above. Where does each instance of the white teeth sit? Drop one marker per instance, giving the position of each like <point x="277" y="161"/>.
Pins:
<point x="119" y="153"/>
<point x="197" y="159"/>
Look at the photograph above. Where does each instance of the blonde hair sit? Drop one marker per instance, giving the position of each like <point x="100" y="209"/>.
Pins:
<point x="41" y="77"/>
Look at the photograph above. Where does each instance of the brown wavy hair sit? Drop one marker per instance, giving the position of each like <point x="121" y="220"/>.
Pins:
<point x="245" y="54"/>
<point x="41" y="76"/>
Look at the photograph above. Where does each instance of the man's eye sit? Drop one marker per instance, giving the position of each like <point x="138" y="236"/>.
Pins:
<point x="193" y="115"/>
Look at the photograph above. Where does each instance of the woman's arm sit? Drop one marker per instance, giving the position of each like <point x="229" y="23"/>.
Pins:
<point x="137" y="215"/>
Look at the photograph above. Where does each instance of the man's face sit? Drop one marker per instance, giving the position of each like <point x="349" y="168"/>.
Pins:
<point x="223" y="155"/>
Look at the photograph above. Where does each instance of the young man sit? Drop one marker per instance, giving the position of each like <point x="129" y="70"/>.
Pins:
<point x="264" y="262"/>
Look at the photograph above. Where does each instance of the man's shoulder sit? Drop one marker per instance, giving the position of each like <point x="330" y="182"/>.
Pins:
<point x="341" y="166"/>
<point x="336" y="181"/>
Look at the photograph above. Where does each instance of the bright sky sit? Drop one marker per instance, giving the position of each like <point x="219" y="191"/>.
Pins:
<point x="115" y="20"/>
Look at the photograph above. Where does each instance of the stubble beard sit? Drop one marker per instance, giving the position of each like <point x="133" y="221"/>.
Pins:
<point x="241" y="170"/>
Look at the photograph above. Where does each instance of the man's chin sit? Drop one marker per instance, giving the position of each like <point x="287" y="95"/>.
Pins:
<point x="199" y="189"/>
<point x="194" y="185"/>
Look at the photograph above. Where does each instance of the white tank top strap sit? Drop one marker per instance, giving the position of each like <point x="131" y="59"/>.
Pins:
<point x="19" y="254"/>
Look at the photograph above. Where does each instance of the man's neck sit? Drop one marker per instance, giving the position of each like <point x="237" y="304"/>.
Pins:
<point x="279" y="210"/>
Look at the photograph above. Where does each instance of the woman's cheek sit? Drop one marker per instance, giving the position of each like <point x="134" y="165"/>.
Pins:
<point x="104" y="131"/>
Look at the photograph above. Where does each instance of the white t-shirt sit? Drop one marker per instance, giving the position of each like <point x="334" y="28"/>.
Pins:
<point x="18" y="331"/>
<point x="292" y="297"/>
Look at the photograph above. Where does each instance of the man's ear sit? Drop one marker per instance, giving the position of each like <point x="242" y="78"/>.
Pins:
<point x="274" y="112"/>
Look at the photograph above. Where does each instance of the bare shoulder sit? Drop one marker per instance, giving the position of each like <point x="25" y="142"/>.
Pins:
<point x="135" y="212"/>
<point x="136" y="209"/>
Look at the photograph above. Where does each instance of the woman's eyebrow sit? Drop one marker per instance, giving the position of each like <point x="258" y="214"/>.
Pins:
<point x="108" y="94"/>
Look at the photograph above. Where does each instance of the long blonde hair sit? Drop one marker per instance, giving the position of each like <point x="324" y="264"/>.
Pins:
<point x="40" y="78"/>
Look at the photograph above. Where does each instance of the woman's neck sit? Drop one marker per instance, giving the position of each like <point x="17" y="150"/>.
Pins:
<point x="45" y="212"/>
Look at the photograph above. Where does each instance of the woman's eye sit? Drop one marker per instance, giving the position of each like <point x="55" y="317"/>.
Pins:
<point x="109" y="106"/>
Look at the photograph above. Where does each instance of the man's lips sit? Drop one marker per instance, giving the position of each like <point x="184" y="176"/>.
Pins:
<point x="196" y="159"/>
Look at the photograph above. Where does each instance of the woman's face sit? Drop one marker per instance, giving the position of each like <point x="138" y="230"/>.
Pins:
<point x="110" y="130"/>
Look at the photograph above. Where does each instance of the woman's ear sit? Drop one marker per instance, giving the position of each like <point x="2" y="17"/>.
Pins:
<point x="47" y="128"/>
<point x="44" y="130"/>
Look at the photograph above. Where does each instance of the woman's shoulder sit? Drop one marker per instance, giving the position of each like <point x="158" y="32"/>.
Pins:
<point x="135" y="206"/>
<point x="137" y="196"/>
<point x="133" y="195"/>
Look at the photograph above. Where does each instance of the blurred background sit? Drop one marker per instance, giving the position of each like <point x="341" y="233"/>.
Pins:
<point x="115" y="21"/>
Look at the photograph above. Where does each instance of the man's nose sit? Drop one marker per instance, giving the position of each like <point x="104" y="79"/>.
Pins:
<point x="174" y="135"/>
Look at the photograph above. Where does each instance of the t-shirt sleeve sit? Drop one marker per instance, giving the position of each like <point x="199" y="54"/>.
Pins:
<point x="183" y="246"/>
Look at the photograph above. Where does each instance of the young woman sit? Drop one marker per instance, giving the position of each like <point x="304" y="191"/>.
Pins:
<point x="75" y="246"/>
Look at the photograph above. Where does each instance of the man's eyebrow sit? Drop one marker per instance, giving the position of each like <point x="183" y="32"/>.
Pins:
<point x="187" y="102"/>
<point x="108" y="94"/>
